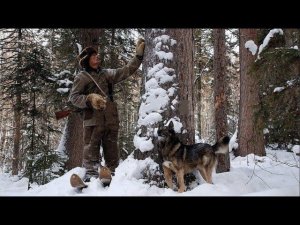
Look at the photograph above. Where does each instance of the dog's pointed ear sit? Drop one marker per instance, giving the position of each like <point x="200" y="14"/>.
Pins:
<point x="171" y="125"/>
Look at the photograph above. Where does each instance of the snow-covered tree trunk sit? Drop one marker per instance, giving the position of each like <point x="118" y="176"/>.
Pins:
<point x="250" y="131"/>
<point x="167" y="89"/>
<point x="220" y="97"/>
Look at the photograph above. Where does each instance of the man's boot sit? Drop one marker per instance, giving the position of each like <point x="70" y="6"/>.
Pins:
<point x="105" y="175"/>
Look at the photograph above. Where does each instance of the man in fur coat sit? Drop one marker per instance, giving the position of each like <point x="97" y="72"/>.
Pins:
<point x="92" y="91"/>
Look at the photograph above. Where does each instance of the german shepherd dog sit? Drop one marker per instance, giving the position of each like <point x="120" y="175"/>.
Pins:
<point x="182" y="159"/>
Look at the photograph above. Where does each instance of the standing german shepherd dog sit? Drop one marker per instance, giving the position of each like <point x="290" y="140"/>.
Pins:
<point x="182" y="159"/>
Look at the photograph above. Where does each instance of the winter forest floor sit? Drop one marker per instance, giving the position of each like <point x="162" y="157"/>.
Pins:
<point x="276" y="174"/>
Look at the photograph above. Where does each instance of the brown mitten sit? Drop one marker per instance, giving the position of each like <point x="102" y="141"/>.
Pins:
<point x="97" y="101"/>
<point x="140" y="46"/>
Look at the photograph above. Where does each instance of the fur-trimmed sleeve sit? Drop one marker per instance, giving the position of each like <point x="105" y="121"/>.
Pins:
<point x="77" y="98"/>
<point x="117" y="75"/>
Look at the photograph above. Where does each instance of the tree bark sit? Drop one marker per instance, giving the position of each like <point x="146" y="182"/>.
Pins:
<point x="2" y="130"/>
<point x="184" y="65"/>
<point x="197" y="82"/>
<point x="289" y="37"/>
<point x="17" y="116"/>
<point x="220" y="98"/>
<point x="89" y="37"/>
<point x="17" y="135"/>
<point x="250" y="131"/>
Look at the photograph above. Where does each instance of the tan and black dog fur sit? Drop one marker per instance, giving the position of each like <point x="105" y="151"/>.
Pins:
<point x="182" y="159"/>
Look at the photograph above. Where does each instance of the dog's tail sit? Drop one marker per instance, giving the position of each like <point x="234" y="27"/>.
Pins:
<point x="222" y="145"/>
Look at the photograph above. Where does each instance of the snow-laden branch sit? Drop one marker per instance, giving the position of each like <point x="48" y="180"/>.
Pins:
<point x="267" y="40"/>
<point x="252" y="47"/>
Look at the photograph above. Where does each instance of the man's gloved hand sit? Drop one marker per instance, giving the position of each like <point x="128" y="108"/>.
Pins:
<point x="140" y="46"/>
<point x="97" y="101"/>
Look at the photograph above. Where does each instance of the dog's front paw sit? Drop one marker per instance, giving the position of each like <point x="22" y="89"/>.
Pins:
<point x="169" y="185"/>
<point x="167" y="164"/>
<point x="180" y="190"/>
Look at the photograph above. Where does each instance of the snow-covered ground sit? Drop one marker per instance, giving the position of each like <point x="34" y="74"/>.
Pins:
<point x="276" y="174"/>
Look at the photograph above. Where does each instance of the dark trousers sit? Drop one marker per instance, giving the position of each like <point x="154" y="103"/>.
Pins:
<point x="94" y="137"/>
<point x="105" y="135"/>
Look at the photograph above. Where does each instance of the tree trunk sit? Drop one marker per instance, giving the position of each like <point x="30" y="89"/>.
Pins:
<point x="292" y="36"/>
<point x="17" y="135"/>
<point x="168" y="52"/>
<point x="74" y="129"/>
<point x="17" y="116"/>
<point x="89" y="37"/>
<point x="2" y="131"/>
<point x="197" y="82"/>
<point x="184" y="66"/>
<point x="289" y="36"/>
<point x="74" y="141"/>
<point x="250" y="131"/>
<point x="220" y="97"/>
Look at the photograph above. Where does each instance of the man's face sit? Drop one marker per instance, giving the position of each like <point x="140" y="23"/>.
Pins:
<point x="94" y="61"/>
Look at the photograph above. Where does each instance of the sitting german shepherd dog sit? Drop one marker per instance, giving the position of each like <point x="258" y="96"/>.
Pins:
<point x="182" y="159"/>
